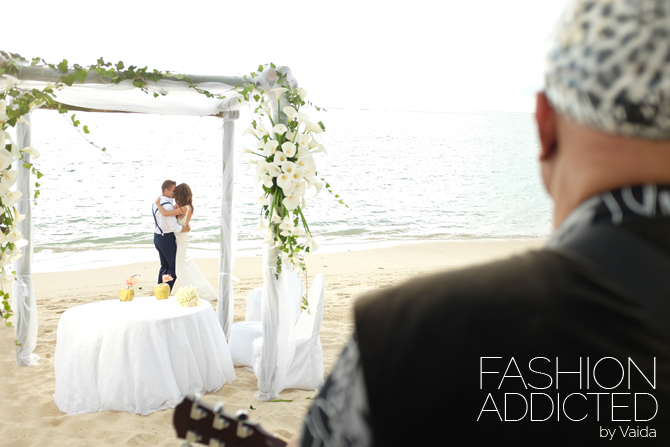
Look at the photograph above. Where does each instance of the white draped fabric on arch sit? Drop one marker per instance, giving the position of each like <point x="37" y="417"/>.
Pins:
<point x="98" y="94"/>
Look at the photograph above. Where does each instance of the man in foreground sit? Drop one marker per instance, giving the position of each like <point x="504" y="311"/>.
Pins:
<point x="563" y="346"/>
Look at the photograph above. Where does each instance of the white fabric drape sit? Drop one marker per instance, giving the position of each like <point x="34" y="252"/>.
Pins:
<point x="179" y="99"/>
<point x="125" y="97"/>
<point x="24" y="304"/>
<point x="276" y="303"/>
<point x="276" y="324"/>
<point x="225" y="306"/>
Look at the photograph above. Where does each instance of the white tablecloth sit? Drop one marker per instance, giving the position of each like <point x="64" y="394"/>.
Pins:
<point x="139" y="356"/>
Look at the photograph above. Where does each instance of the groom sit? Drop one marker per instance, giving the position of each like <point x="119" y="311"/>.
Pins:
<point x="164" y="231"/>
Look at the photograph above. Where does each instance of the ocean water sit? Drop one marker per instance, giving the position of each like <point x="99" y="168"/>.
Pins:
<point x="405" y="175"/>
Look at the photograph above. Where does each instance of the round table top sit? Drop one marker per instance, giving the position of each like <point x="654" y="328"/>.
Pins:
<point x="141" y="308"/>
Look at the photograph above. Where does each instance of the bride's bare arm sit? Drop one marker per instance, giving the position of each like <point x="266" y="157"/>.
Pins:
<point x="164" y="212"/>
<point x="188" y="218"/>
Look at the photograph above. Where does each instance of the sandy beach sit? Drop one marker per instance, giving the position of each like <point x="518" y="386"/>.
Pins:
<point x="29" y="416"/>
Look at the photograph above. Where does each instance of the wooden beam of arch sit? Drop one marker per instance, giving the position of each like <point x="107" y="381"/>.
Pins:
<point x="230" y="114"/>
<point x="46" y="74"/>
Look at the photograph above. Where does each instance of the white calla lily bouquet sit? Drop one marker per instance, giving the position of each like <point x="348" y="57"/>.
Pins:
<point x="286" y="168"/>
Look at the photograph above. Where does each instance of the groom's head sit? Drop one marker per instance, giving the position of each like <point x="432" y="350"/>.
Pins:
<point x="168" y="188"/>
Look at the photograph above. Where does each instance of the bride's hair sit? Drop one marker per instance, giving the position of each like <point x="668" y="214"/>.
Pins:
<point x="183" y="196"/>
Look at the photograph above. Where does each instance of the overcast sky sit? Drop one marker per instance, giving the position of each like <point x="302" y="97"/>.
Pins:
<point x="413" y="55"/>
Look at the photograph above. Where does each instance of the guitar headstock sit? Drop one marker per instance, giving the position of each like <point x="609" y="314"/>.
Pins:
<point x="199" y="422"/>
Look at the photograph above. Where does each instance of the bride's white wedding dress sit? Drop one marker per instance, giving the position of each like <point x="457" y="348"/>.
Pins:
<point x="188" y="273"/>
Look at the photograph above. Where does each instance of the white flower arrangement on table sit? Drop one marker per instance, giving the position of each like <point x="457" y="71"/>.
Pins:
<point x="188" y="296"/>
<point x="286" y="168"/>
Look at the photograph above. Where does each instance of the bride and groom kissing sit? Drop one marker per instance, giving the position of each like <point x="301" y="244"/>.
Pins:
<point x="172" y="214"/>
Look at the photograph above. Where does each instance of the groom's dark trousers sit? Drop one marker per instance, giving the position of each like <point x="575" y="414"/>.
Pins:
<point x="167" y="250"/>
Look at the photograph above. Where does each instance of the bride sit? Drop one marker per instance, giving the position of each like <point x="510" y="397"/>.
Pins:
<point x="188" y="273"/>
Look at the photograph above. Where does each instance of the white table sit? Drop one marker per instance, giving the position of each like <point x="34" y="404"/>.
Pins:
<point x="138" y="356"/>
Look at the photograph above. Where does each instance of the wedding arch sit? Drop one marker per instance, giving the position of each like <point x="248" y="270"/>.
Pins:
<point x="286" y="170"/>
<point x="93" y="93"/>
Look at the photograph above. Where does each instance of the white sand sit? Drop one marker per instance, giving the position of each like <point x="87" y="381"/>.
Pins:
<point x="29" y="416"/>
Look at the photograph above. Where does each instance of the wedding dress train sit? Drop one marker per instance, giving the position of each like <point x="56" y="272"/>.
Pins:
<point x="188" y="273"/>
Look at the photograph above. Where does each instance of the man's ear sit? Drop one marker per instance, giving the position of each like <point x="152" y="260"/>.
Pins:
<point x="546" y="119"/>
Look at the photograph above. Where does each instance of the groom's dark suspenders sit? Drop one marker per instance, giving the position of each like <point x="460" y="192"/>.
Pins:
<point x="156" y="220"/>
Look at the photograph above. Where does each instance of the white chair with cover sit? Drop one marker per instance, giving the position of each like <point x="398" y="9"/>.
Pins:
<point x="253" y="307"/>
<point x="244" y="333"/>
<point x="242" y="336"/>
<point x="294" y="287"/>
<point x="305" y="362"/>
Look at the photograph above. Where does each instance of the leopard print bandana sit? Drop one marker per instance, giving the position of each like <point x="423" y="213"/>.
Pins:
<point x="609" y="66"/>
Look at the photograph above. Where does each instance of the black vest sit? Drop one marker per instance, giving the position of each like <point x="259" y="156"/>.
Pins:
<point x="446" y="357"/>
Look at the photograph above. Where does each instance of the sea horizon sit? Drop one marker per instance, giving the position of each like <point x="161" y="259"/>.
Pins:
<point x="406" y="176"/>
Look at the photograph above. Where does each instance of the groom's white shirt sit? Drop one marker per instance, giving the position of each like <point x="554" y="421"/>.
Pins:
<point x="168" y="224"/>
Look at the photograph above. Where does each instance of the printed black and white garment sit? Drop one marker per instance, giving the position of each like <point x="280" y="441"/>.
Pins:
<point x="621" y="207"/>
<point x="339" y="416"/>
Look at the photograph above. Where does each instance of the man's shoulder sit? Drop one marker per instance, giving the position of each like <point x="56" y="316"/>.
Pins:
<point x="166" y="203"/>
<point x="518" y="278"/>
